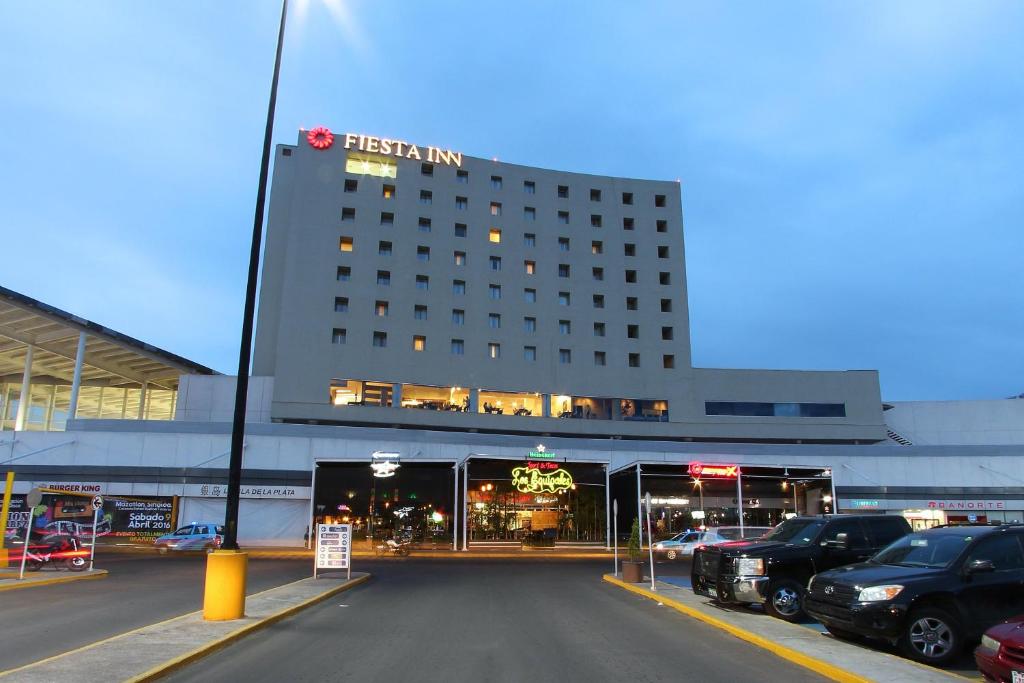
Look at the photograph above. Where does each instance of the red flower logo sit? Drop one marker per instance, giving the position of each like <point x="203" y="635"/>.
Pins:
<point x="320" y="137"/>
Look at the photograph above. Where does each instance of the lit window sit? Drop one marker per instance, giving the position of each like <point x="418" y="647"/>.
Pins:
<point x="563" y="244"/>
<point x="495" y="262"/>
<point x="380" y="309"/>
<point x="461" y="203"/>
<point x="462" y="176"/>
<point x="495" y="182"/>
<point x="530" y="266"/>
<point x="383" y="277"/>
<point x="630" y="303"/>
<point x="595" y="195"/>
<point x="631" y="277"/>
<point x="529" y="187"/>
<point x="348" y="214"/>
<point x="529" y="353"/>
<point x="426" y="197"/>
<point x="495" y="235"/>
<point x="530" y="296"/>
<point x="659" y="200"/>
<point x="458" y="287"/>
<point x="563" y="298"/>
<point x="460" y="230"/>
<point x="351" y="185"/>
<point x="338" y="335"/>
<point x="563" y="191"/>
<point x="599" y="358"/>
<point x="598" y="329"/>
<point x="529" y="325"/>
<point x="529" y="240"/>
<point x="629" y="249"/>
<point x="387" y="218"/>
<point x="419" y="312"/>
<point x="529" y="213"/>
<point x="563" y="270"/>
<point x="388" y="192"/>
<point x="662" y="225"/>
<point x="598" y="273"/>
<point x="424" y="225"/>
<point x="371" y="164"/>
<point x="460" y="258"/>
<point x="344" y="273"/>
<point x="599" y="301"/>
<point x="668" y="361"/>
<point x="494" y="321"/>
<point x="380" y="339"/>
<point x="662" y="252"/>
<point x="564" y="327"/>
<point x="495" y="208"/>
<point x="458" y="347"/>
<point x="627" y="223"/>
<point x="422" y="282"/>
<point x="423" y="253"/>
<point x="597" y="247"/>
<point x="666" y="333"/>
<point x="633" y="331"/>
<point x="341" y="304"/>
<point x="384" y="248"/>
<point x="627" y="197"/>
<point x="494" y="350"/>
<point x="563" y="217"/>
<point x="634" y="360"/>
<point x="458" y="316"/>
<point x="419" y="343"/>
<point x="345" y="244"/>
<point x="564" y="356"/>
<point x="494" y="291"/>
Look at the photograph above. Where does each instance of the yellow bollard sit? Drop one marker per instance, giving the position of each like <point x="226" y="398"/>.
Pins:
<point x="224" y="598"/>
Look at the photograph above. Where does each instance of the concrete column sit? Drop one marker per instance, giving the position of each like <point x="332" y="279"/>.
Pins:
<point x="396" y="395"/>
<point x="608" y="506"/>
<point x="142" y="400"/>
<point x="474" y="407"/>
<point x="616" y="409"/>
<point x="76" y="381"/>
<point x="25" y="400"/>
<point x="545" y="402"/>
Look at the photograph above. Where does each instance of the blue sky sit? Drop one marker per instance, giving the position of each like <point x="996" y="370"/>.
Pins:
<point x="852" y="190"/>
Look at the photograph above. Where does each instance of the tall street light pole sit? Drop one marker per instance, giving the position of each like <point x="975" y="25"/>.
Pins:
<point x="245" y="348"/>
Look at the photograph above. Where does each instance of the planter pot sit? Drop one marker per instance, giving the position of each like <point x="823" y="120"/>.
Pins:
<point x="632" y="572"/>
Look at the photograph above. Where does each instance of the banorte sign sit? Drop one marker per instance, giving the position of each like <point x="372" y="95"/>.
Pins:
<point x="699" y="469"/>
<point x="322" y="138"/>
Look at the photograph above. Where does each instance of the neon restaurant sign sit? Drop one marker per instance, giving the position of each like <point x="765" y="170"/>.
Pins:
<point x="699" y="469"/>
<point x="322" y="138"/>
<point x="533" y="480"/>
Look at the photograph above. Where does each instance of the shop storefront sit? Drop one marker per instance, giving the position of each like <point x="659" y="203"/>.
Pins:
<point x="924" y="513"/>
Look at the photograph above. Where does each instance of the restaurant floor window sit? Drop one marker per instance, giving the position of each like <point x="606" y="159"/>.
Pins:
<point x="415" y="503"/>
<point x="535" y="502"/>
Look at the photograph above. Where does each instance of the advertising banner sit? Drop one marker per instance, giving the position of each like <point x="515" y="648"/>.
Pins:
<point x="132" y="520"/>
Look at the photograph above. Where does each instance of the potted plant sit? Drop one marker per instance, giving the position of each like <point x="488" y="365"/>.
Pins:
<point x="633" y="567"/>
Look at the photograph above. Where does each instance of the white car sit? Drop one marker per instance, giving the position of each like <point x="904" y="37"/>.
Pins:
<point x="682" y="545"/>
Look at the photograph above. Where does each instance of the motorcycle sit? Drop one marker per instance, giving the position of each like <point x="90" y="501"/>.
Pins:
<point x="57" y="549"/>
<point x="393" y="547"/>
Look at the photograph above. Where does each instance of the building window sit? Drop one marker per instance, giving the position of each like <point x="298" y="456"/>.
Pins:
<point x="419" y="312"/>
<point x="461" y="203"/>
<point x="529" y="325"/>
<point x="424" y="225"/>
<point x="664" y="279"/>
<point x="662" y="226"/>
<point x="462" y="176"/>
<point x="348" y="214"/>
<point x="458" y="287"/>
<point x="529" y="187"/>
<point x="351" y="185"/>
<point x="597" y="247"/>
<point x="460" y="229"/>
<point x="458" y="316"/>
<point x="563" y="217"/>
<point x="423" y="253"/>
<point x="659" y="201"/>
<point x="629" y="249"/>
<point x="630" y="303"/>
<point x="380" y="309"/>
<point x="426" y="197"/>
<point x="529" y="213"/>
<point x="627" y="198"/>
<point x="345" y="244"/>
<point x="633" y="331"/>
<point x="598" y="273"/>
<point x="494" y="291"/>
<point x="427" y="169"/>
<point x="627" y="223"/>
<point x="341" y="304"/>
<point x="388" y="192"/>
<point x="494" y="321"/>
<point x="564" y="356"/>
<point x="530" y="296"/>
<point x="530" y="267"/>
<point x="529" y="353"/>
<point x="599" y="301"/>
<point x="494" y="350"/>
<point x="422" y="282"/>
<point x="666" y="305"/>
<point x="595" y="220"/>
<point x="529" y="240"/>
<point x="563" y="191"/>
<point x="668" y="361"/>
<point x="666" y="333"/>
<point x="634" y="360"/>
<point x="495" y="262"/>
<point x="631" y="277"/>
<point x="344" y="273"/>
<point x="563" y="270"/>
<point x="387" y="218"/>
<point x="564" y="327"/>
<point x="458" y="347"/>
<point x="495" y="182"/>
<point x="599" y="358"/>
<point x="662" y="252"/>
<point x="384" y="278"/>
<point x="495" y="235"/>
<point x="460" y="258"/>
<point x="563" y="244"/>
<point x="750" y="409"/>
<point x="495" y="208"/>
<point x="419" y="343"/>
<point x="338" y="335"/>
<point x="286" y="152"/>
<point x="380" y="339"/>
<point x="595" y="195"/>
<point x="563" y="298"/>
<point x="598" y="329"/>
<point x="384" y="248"/>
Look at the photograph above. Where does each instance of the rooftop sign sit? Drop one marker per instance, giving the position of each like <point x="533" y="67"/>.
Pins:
<point x="321" y="138"/>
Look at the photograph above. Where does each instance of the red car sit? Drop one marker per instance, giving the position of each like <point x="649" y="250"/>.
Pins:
<point x="1000" y="656"/>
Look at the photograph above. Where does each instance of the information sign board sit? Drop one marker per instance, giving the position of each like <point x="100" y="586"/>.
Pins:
<point x="333" y="548"/>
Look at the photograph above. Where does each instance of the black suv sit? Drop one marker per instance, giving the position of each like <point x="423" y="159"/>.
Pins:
<point x="929" y="592"/>
<point x="775" y="568"/>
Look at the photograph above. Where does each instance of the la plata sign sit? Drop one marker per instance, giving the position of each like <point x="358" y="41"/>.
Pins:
<point x="533" y="480"/>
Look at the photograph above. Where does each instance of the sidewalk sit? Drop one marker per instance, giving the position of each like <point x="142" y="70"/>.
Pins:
<point x="9" y="578"/>
<point x="153" y="651"/>
<point x="807" y="647"/>
<point x="440" y="552"/>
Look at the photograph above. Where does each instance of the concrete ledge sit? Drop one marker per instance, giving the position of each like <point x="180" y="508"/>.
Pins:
<point x="150" y="652"/>
<point x="837" y="660"/>
<point x="9" y="578"/>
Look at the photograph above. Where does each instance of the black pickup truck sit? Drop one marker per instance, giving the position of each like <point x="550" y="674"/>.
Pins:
<point x="774" y="569"/>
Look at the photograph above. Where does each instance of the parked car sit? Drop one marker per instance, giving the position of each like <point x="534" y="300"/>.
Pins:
<point x="1000" y="656"/>
<point x="682" y="545"/>
<point x="774" y="569"/>
<point x="194" y="536"/>
<point x="930" y="592"/>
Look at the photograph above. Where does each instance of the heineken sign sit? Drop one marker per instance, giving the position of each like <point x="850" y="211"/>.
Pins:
<point x="542" y="453"/>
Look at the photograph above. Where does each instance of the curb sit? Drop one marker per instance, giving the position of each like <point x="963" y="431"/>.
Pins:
<point x="97" y="574"/>
<point x="800" y="659"/>
<point x="181" y="661"/>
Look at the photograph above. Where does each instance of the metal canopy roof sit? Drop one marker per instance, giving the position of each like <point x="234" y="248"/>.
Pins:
<point x="111" y="358"/>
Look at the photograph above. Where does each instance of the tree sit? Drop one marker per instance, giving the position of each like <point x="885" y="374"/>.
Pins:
<point x="633" y="549"/>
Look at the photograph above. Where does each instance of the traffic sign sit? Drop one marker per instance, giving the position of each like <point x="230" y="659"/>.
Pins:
<point x="97" y="502"/>
<point x="34" y="497"/>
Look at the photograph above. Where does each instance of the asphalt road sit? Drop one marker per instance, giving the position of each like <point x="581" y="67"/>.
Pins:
<point x="490" y="621"/>
<point x="36" y="623"/>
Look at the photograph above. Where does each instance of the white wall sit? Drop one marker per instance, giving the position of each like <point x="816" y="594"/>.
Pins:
<point x="958" y="422"/>
<point x="211" y="398"/>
